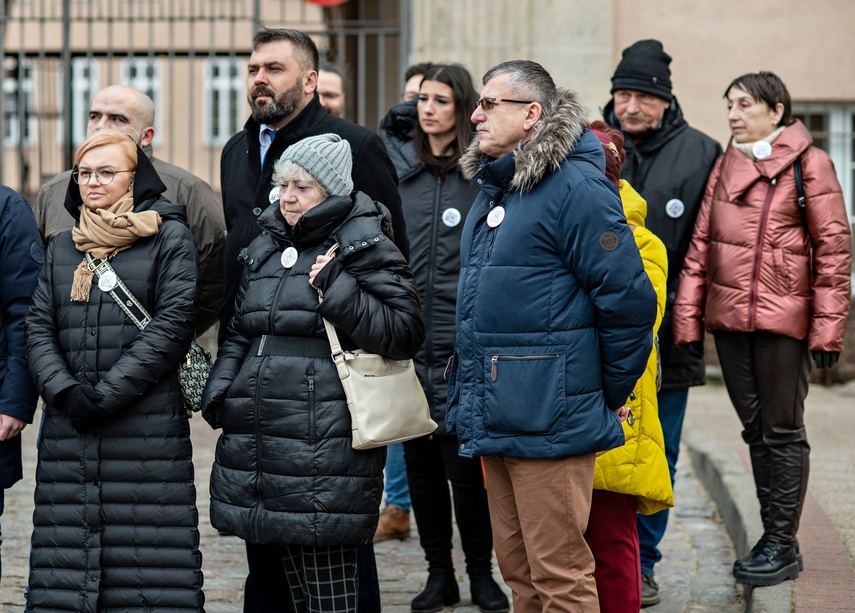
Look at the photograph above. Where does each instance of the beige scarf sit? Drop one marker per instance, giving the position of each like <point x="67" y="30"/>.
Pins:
<point x="105" y="232"/>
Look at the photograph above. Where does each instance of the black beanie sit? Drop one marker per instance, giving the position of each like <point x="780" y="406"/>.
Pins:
<point x="644" y="68"/>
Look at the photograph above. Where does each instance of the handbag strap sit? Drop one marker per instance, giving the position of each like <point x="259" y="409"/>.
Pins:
<point x="332" y="335"/>
<point x="120" y="293"/>
<point x="800" y="185"/>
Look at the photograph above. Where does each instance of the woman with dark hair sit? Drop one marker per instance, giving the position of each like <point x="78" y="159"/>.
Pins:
<point x="436" y="200"/>
<point x="767" y="272"/>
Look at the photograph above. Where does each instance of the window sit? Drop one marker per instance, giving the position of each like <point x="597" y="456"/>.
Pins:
<point x="832" y="126"/>
<point x="17" y="89"/>
<point x="84" y="85"/>
<point x="143" y="73"/>
<point x="224" y="101"/>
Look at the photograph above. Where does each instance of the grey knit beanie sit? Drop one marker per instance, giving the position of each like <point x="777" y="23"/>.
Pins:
<point x="326" y="157"/>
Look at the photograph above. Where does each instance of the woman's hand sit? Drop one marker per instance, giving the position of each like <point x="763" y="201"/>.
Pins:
<point x="320" y="262"/>
<point x="622" y="413"/>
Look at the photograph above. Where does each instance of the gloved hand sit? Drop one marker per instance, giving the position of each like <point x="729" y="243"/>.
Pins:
<point x="825" y="359"/>
<point x="82" y="404"/>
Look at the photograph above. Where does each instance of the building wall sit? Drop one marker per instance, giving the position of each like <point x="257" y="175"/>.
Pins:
<point x="573" y="39"/>
<point x="807" y="44"/>
<point x="580" y="42"/>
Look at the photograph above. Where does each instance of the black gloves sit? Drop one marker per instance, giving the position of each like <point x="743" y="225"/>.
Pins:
<point x="825" y="359"/>
<point x="82" y="405"/>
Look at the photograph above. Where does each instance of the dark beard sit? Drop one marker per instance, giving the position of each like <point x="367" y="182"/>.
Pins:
<point x="280" y="108"/>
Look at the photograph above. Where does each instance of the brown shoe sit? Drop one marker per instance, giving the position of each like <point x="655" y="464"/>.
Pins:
<point x="394" y="524"/>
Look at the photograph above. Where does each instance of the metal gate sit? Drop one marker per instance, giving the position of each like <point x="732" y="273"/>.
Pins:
<point x="189" y="55"/>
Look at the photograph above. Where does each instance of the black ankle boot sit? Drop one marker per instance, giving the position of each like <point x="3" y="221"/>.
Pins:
<point x="749" y="559"/>
<point x="441" y="591"/>
<point x="773" y="563"/>
<point x="487" y="594"/>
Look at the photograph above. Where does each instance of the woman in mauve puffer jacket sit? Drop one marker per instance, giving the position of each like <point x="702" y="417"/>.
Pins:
<point x="770" y="278"/>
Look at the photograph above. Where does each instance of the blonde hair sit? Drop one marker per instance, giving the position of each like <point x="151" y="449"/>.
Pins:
<point x="109" y="136"/>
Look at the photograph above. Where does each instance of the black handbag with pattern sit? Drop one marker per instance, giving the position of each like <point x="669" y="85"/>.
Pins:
<point x="194" y="370"/>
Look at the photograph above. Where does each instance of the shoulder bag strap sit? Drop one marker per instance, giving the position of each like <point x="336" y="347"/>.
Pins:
<point x="332" y="335"/>
<point x="800" y="186"/>
<point x="120" y="293"/>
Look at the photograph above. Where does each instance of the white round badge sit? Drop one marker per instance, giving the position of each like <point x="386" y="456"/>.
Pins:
<point x="496" y="216"/>
<point x="761" y="149"/>
<point x="451" y="217"/>
<point x="289" y="257"/>
<point x="108" y="281"/>
<point x="273" y="196"/>
<point x="675" y="208"/>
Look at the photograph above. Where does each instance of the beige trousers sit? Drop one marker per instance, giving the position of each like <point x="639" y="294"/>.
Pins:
<point x="539" y="510"/>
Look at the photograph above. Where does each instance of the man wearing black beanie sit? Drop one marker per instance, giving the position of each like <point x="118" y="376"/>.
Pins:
<point x="668" y="163"/>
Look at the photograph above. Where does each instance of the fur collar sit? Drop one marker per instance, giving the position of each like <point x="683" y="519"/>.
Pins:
<point x="552" y="142"/>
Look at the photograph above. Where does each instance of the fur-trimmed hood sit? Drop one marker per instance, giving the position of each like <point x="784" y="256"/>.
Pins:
<point x="554" y="139"/>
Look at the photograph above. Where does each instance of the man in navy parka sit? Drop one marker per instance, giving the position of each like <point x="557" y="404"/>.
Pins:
<point x="554" y="320"/>
<point x="21" y="258"/>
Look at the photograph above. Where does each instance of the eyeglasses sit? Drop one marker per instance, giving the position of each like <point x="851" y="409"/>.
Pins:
<point x="488" y="104"/>
<point x="104" y="177"/>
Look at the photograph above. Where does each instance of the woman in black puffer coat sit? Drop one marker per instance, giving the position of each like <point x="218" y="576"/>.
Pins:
<point x="436" y="199"/>
<point x="285" y="470"/>
<point x="115" y="522"/>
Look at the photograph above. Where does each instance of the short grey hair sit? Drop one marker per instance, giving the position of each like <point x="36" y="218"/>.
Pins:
<point x="529" y="81"/>
<point x="289" y="170"/>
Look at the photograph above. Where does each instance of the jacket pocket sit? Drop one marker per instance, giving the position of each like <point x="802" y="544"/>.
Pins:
<point x="524" y="393"/>
<point x="784" y="278"/>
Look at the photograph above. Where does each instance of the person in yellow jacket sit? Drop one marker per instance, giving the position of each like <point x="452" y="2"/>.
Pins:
<point x="633" y="478"/>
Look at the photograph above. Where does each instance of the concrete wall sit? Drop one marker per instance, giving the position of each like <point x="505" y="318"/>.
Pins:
<point x="808" y="44"/>
<point x="573" y="39"/>
<point x="580" y="42"/>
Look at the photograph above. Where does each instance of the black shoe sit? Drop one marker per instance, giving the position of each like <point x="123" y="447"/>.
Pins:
<point x="487" y="594"/>
<point x="441" y="591"/>
<point x="757" y="547"/>
<point x="772" y="564"/>
<point x="649" y="591"/>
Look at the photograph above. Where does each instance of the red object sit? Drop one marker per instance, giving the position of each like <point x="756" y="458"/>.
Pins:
<point x="613" y="539"/>
<point x="327" y="2"/>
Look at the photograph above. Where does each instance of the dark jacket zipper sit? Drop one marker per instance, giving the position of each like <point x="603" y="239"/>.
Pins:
<point x="494" y="361"/>
<point x="429" y="289"/>
<point x="258" y="472"/>
<point x="312" y="433"/>
<point x="758" y="255"/>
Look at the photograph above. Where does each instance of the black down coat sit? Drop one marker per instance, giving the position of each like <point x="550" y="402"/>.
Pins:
<point x="434" y="210"/>
<point x="669" y="167"/>
<point x="285" y="470"/>
<point x="115" y="522"/>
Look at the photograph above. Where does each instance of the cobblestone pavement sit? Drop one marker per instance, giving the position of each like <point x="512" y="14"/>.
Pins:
<point x="694" y="575"/>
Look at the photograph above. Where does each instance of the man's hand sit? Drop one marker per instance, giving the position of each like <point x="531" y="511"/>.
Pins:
<point x="10" y="427"/>
<point x="622" y="413"/>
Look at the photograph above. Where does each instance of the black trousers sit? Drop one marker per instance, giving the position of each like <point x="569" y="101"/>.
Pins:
<point x="433" y="462"/>
<point x="766" y="376"/>
<point x="267" y="591"/>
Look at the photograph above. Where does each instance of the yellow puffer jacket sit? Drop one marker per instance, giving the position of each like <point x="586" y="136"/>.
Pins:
<point x="639" y="468"/>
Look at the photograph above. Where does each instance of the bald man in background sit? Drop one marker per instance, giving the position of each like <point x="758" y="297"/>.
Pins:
<point x="132" y="112"/>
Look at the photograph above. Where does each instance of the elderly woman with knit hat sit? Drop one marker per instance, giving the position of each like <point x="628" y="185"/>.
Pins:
<point x="115" y="521"/>
<point x="285" y="469"/>
<point x="634" y="478"/>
